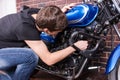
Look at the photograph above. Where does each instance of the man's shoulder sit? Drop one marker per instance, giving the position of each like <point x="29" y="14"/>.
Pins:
<point x="30" y="10"/>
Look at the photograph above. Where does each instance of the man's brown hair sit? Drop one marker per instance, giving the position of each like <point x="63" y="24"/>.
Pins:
<point x="51" y="17"/>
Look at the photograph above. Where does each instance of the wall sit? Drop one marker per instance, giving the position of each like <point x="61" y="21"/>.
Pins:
<point x="102" y="56"/>
<point x="7" y="7"/>
<point x="41" y="3"/>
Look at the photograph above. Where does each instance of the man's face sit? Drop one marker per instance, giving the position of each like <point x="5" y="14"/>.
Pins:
<point x="53" y="33"/>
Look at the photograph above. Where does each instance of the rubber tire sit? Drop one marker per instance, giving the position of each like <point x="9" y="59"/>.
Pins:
<point x="115" y="73"/>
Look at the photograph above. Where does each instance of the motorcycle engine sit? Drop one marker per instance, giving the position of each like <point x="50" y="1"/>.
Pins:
<point x="73" y="63"/>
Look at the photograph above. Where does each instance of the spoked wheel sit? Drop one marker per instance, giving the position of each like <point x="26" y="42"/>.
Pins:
<point x="115" y="74"/>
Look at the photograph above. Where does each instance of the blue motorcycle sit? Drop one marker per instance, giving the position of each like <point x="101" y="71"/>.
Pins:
<point x="91" y="21"/>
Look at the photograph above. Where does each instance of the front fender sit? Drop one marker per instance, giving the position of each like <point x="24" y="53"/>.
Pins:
<point x="114" y="56"/>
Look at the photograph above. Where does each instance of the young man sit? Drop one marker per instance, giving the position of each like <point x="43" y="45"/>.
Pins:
<point x="23" y="29"/>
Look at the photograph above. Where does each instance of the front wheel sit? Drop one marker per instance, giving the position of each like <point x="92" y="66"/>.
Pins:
<point x="115" y="73"/>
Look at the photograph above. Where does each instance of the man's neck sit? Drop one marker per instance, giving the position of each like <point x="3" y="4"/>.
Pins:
<point x="34" y="16"/>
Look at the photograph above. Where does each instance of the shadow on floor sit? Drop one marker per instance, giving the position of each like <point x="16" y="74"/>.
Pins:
<point x="90" y="75"/>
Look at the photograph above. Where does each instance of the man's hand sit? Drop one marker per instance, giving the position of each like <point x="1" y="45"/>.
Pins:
<point x="68" y="7"/>
<point x="82" y="45"/>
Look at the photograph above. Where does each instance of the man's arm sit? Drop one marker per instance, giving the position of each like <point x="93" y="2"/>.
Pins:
<point x="49" y="58"/>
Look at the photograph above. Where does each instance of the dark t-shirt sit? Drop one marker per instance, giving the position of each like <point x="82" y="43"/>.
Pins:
<point x="15" y="28"/>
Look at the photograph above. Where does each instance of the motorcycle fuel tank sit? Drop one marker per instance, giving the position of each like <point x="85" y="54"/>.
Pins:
<point x="82" y="15"/>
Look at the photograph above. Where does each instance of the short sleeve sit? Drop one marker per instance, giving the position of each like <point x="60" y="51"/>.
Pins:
<point x="27" y="32"/>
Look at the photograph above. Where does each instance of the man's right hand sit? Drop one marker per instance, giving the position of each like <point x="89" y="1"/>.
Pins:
<point x="82" y="45"/>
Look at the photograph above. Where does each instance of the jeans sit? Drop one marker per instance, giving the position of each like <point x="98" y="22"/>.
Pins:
<point x="24" y="60"/>
<point x="4" y="76"/>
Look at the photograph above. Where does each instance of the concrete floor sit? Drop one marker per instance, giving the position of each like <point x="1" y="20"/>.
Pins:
<point x="90" y="75"/>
